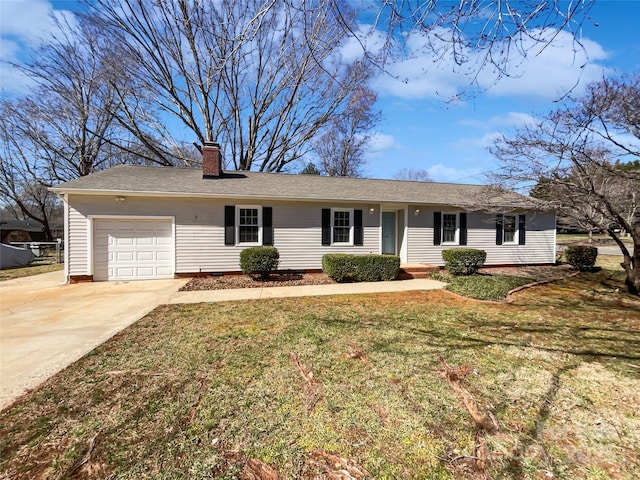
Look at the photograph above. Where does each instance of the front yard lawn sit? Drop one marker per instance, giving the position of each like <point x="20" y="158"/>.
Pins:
<point x="376" y="386"/>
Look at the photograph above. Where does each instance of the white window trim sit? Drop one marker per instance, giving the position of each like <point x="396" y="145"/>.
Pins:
<point x="457" y="234"/>
<point x="516" y="233"/>
<point x="249" y="244"/>
<point x="350" y="210"/>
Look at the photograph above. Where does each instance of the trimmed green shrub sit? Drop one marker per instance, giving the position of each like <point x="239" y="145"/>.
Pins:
<point x="259" y="260"/>
<point x="376" y="268"/>
<point x="339" y="266"/>
<point x="581" y="257"/>
<point x="344" y="267"/>
<point x="463" y="261"/>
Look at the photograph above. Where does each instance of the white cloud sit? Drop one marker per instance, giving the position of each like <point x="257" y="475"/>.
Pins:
<point x="440" y="173"/>
<point x="484" y="141"/>
<point x="23" y="26"/>
<point x="27" y="20"/>
<point x="428" y="70"/>
<point x="420" y="73"/>
<point x="512" y="119"/>
<point x="381" y="142"/>
<point x="550" y="71"/>
<point x="369" y="40"/>
<point x="509" y="119"/>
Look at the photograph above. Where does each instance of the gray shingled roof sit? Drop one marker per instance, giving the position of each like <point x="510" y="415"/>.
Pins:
<point x="146" y="180"/>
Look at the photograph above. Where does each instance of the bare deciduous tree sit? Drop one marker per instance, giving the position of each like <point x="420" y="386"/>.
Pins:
<point x="413" y="174"/>
<point x="261" y="77"/>
<point x="342" y="144"/>
<point x="67" y="127"/>
<point x="581" y="151"/>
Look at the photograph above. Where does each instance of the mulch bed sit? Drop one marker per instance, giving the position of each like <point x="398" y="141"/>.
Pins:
<point x="244" y="281"/>
<point x="538" y="273"/>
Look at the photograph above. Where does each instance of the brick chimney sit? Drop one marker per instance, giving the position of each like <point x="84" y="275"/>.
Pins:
<point x="211" y="160"/>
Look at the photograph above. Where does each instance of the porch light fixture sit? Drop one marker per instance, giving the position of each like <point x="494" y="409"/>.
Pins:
<point x="372" y="211"/>
<point x="416" y="212"/>
<point x="119" y="199"/>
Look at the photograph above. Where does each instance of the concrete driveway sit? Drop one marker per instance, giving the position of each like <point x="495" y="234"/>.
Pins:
<point x="45" y="325"/>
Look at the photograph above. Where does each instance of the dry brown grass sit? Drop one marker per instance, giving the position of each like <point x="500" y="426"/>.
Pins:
<point x="19" y="272"/>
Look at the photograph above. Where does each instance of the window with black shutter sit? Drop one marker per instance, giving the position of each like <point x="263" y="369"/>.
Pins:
<point x="358" y="230"/>
<point x="342" y="226"/>
<point x="499" y="229"/>
<point x="229" y="225"/>
<point x="326" y="226"/>
<point x="267" y="226"/>
<point x="510" y="229"/>
<point x="463" y="228"/>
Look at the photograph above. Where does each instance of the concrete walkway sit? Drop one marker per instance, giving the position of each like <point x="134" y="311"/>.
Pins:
<point x="303" y="291"/>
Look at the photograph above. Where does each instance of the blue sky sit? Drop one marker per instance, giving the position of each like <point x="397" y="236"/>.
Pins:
<point x="420" y="129"/>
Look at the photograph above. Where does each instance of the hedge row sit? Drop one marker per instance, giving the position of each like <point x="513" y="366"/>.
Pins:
<point x="344" y="267"/>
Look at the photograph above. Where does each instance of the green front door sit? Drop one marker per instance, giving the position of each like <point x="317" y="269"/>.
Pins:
<point x="389" y="233"/>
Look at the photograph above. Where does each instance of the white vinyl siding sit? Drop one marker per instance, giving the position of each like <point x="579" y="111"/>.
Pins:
<point x="298" y="234"/>
<point x="199" y="231"/>
<point x="481" y="233"/>
<point x="77" y="242"/>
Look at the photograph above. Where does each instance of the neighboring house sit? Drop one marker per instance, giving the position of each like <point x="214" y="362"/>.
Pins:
<point x="21" y="231"/>
<point x="138" y="222"/>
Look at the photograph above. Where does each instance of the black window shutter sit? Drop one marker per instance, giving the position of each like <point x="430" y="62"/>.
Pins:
<point x="358" y="231"/>
<point x="522" y="231"/>
<point x="499" y="220"/>
<point x="463" y="228"/>
<point x="326" y="226"/>
<point x="229" y="225"/>
<point x="437" y="228"/>
<point x="267" y="226"/>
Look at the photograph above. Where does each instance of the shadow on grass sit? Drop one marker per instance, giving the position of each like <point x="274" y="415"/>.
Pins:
<point x="562" y="317"/>
<point x="534" y="435"/>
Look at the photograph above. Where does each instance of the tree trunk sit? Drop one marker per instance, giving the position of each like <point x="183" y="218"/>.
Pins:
<point x="631" y="263"/>
<point x="631" y="266"/>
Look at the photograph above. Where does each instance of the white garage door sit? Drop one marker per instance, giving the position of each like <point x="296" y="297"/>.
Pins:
<point x="132" y="249"/>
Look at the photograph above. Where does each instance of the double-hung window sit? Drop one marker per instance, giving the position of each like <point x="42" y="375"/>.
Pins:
<point x="249" y="221"/>
<point x="510" y="229"/>
<point x="248" y="225"/>
<point x="342" y="226"/>
<point x="449" y="228"/>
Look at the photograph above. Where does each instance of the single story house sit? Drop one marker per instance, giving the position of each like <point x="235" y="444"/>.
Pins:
<point x="145" y="222"/>
<point x="21" y="231"/>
